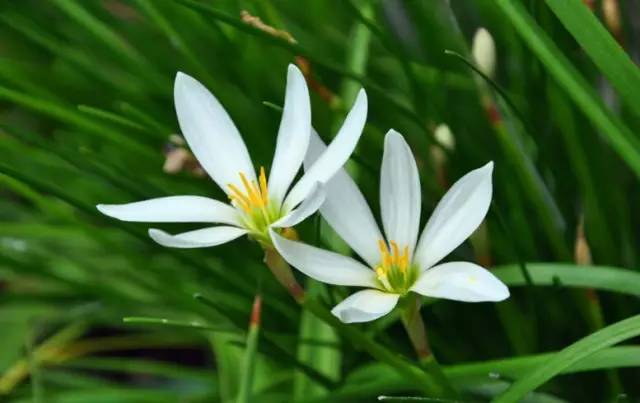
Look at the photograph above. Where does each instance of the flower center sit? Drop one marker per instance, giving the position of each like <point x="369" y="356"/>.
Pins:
<point x="253" y="201"/>
<point x="395" y="272"/>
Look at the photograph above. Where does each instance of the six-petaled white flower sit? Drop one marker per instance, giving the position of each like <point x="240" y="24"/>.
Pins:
<point x="257" y="204"/>
<point x="399" y="263"/>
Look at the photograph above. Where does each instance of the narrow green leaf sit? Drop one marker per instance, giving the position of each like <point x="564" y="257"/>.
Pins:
<point x="577" y="351"/>
<point x="379" y="378"/>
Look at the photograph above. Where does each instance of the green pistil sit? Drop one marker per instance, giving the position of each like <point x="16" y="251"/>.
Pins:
<point x="258" y="221"/>
<point x="396" y="280"/>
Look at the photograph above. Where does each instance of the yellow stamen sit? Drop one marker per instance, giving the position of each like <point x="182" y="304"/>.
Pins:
<point x="241" y="204"/>
<point x="256" y="190"/>
<point x="384" y="252"/>
<point x="239" y="198"/>
<point x="255" y="194"/>
<point x="395" y="254"/>
<point x="383" y="247"/>
<point x="394" y="270"/>
<point x="255" y="199"/>
<point x="263" y="186"/>
<point x="404" y="262"/>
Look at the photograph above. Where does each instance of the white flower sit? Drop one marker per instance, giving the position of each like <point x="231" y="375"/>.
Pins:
<point x="256" y="203"/>
<point x="483" y="49"/>
<point x="399" y="263"/>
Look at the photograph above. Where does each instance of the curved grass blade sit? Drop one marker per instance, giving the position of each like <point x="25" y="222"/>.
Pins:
<point x="577" y="351"/>
<point x="379" y="379"/>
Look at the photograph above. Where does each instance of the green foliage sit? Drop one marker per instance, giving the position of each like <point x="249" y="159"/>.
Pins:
<point x="86" y="115"/>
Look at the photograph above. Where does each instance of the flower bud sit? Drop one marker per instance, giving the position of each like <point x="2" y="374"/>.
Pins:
<point x="444" y="137"/>
<point x="484" y="52"/>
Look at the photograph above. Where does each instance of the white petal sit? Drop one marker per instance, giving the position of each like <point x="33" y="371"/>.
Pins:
<point x="336" y="154"/>
<point x="210" y="133"/>
<point x="173" y="209"/>
<point x="322" y="265"/>
<point x="399" y="192"/>
<point x="461" y="281"/>
<point x="365" y="306"/>
<point x="309" y="206"/>
<point x="346" y="209"/>
<point x="200" y="238"/>
<point x="293" y="135"/>
<point x="457" y="215"/>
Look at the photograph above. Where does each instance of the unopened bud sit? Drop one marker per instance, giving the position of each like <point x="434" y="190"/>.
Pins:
<point x="444" y="137"/>
<point x="484" y="51"/>
<point x="611" y="14"/>
<point x="582" y="251"/>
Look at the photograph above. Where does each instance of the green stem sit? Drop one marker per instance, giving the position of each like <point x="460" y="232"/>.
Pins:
<point x="282" y="272"/>
<point x="416" y="330"/>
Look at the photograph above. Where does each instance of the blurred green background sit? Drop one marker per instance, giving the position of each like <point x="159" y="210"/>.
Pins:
<point x="86" y="117"/>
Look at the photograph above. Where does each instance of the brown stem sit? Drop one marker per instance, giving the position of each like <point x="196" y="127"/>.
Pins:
<point x="282" y="272"/>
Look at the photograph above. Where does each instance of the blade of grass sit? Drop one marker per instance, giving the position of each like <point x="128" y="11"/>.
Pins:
<point x="245" y="390"/>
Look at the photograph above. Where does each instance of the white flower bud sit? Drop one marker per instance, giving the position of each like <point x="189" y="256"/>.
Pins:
<point x="444" y="137"/>
<point x="484" y="51"/>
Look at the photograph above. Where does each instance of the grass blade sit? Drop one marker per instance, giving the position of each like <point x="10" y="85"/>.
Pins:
<point x="577" y="351"/>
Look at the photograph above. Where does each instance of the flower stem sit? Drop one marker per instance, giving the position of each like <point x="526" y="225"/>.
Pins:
<point x="417" y="333"/>
<point x="282" y="272"/>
